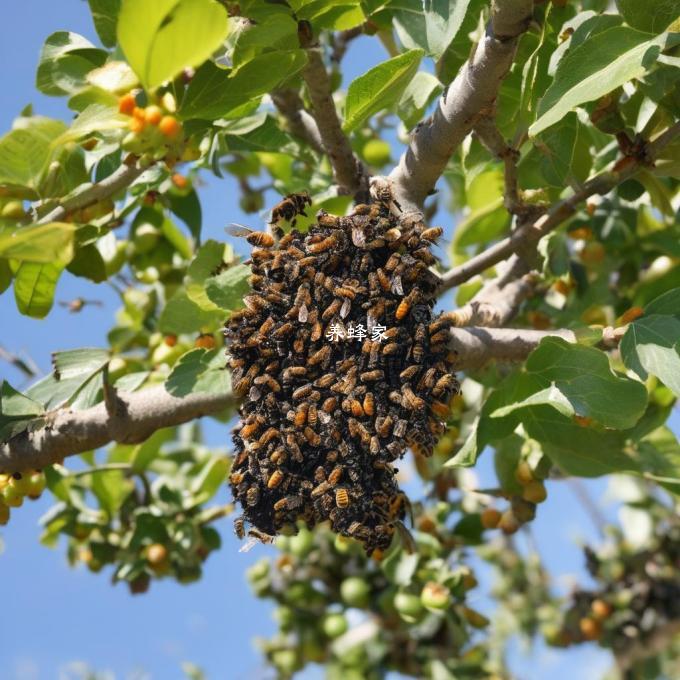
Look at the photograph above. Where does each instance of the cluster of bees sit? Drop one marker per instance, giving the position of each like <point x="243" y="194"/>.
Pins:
<point x="322" y="422"/>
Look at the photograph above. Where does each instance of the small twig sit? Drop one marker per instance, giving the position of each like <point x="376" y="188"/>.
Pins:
<point x="213" y="514"/>
<point x="532" y="232"/>
<point x="301" y="123"/>
<point x="108" y="467"/>
<point x="348" y="170"/>
<point x="111" y="185"/>
<point x="340" y="42"/>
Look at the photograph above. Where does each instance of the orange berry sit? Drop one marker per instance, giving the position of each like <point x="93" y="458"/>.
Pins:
<point x="126" y="104"/>
<point x="170" y="340"/>
<point x="169" y="126"/>
<point x="139" y="113"/>
<point x="583" y="421"/>
<point x="136" y="125"/>
<point x="153" y="115"/>
<point x="562" y="287"/>
<point x="490" y="518"/>
<point x="601" y="609"/>
<point x="205" y="341"/>
<point x="180" y="181"/>
<point x="590" y="628"/>
<point x="584" y="233"/>
<point x="509" y="524"/>
<point x="156" y="554"/>
<point x="631" y="314"/>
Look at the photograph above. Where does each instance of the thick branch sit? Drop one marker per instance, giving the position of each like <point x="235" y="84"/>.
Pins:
<point x="348" y="171"/>
<point x="137" y="416"/>
<point x="301" y="123"/>
<point x="532" y="232"/>
<point x="472" y="94"/>
<point x="111" y="185"/>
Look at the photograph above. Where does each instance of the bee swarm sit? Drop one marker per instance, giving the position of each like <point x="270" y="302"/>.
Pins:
<point x="324" y="417"/>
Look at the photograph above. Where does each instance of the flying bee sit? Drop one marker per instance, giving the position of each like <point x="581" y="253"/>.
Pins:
<point x="261" y="239"/>
<point x="341" y="498"/>
<point x="290" y="207"/>
<point x="405" y="305"/>
<point x="239" y="527"/>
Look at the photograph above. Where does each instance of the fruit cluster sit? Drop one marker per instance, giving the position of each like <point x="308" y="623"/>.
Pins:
<point x="522" y="506"/>
<point x="154" y="131"/>
<point x="14" y="488"/>
<point x="342" y="366"/>
<point x="358" y="615"/>
<point x="640" y="594"/>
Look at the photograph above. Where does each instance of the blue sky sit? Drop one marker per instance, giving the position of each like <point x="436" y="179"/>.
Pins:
<point x="53" y="615"/>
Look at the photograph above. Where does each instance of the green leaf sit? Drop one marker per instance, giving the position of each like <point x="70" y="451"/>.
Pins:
<point x="34" y="286"/>
<point x="111" y="489"/>
<point x="266" y="137"/>
<point x="210" y="257"/>
<point x="652" y="345"/>
<point x="338" y="15"/>
<point x="95" y="118"/>
<point x="379" y="88"/>
<point x="65" y="61"/>
<point x="188" y="208"/>
<point x="399" y="566"/>
<point x="73" y="370"/>
<point x="89" y="264"/>
<point x="417" y="96"/>
<point x="5" y="275"/>
<point x="668" y="303"/>
<point x="212" y="477"/>
<point x="38" y="243"/>
<point x="566" y="152"/>
<point x="215" y="91"/>
<point x="183" y="315"/>
<point x="26" y="151"/>
<point x="659" y="457"/>
<point x="199" y="370"/>
<point x="653" y="16"/>
<point x="432" y="29"/>
<point x="227" y="289"/>
<point x="14" y="404"/>
<point x="595" y="68"/>
<point x="584" y="377"/>
<point x="115" y="77"/>
<point x="105" y="17"/>
<point x="163" y="37"/>
<point x="550" y="396"/>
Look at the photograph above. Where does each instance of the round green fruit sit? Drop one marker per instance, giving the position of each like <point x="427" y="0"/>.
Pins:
<point x="13" y="210"/>
<point x="377" y="152"/>
<point x="302" y="543"/>
<point x="285" y="617"/>
<point x="408" y="606"/>
<point x="285" y="660"/>
<point x="36" y="485"/>
<point x="355" y="592"/>
<point x="146" y="238"/>
<point x="335" y="625"/>
<point x="12" y="496"/>
<point x="435" y="596"/>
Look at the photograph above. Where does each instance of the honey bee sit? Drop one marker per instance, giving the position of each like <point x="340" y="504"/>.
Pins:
<point x="405" y="305"/>
<point x="320" y="489"/>
<point x="300" y="417"/>
<point x="440" y="337"/>
<point x="275" y="479"/>
<point x="374" y="446"/>
<point x="290" y="207"/>
<point x="411" y="400"/>
<point x="372" y="376"/>
<point x="279" y="456"/>
<point x="253" y="496"/>
<point x="261" y="239"/>
<point x="400" y="428"/>
<point x="312" y="416"/>
<point x="341" y="498"/>
<point x="431" y="234"/>
<point x="249" y="429"/>
<point x="383" y="426"/>
<point x="239" y="528"/>
<point x="409" y="373"/>
<point x="320" y="356"/>
<point x="293" y="372"/>
<point x="324" y="245"/>
<point x="332" y="310"/>
<point x="446" y="383"/>
<point x="312" y="437"/>
<point x="288" y="503"/>
<point x="302" y="392"/>
<point x="268" y="381"/>
<point x="325" y="381"/>
<point x="369" y="404"/>
<point x="330" y="404"/>
<point x="440" y="408"/>
<point x="283" y="331"/>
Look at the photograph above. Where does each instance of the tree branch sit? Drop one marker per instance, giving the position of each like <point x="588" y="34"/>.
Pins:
<point x="532" y="232"/>
<point x="109" y="186"/>
<point x="470" y="95"/>
<point x="138" y="416"/>
<point x="301" y="123"/>
<point x="348" y="170"/>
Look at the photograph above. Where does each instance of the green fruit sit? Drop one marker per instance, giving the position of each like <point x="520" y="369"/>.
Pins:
<point x="409" y="606"/>
<point x="20" y="482"/>
<point x="285" y="660"/>
<point x="355" y="592"/>
<point x="335" y="625"/>
<point x="12" y="496"/>
<point x="13" y="210"/>
<point x="435" y="596"/>
<point x="4" y="514"/>
<point x="258" y="571"/>
<point x="376" y="152"/>
<point x="167" y="355"/>
<point x="146" y="238"/>
<point x="36" y="484"/>
<point x="132" y="143"/>
<point x="302" y="543"/>
<point x="285" y="617"/>
<point x="342" y="544"/>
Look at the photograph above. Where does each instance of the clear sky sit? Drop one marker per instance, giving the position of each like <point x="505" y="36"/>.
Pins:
<point x="52" y="615"/>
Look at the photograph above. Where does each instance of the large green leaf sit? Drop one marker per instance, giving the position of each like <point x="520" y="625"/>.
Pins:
<point x="95" y="118"/>
<point x="653" y="16"/>
<point x="668" y="303"/>
<point x="210" y="257"/>
<point x="215" y="91"/>
<point x="26" y="151"/>
<point x="595" y="68"/>
<point x="163" y="37"/>
<point x="105" y="17"/>
<point x="227" y="289"/>
<point x="183" y="315"/>
<point x="38" y="243"/>
<point x="584" y="377"/>
<point x="65" y="61"/>
<point x="430" y="25"/>
<point x="199" y="370"/>
<point x="111" y="488"/>
<point x="652" y="345"/>
<point x="34" y="286"/>
<point x="379" y="88"/>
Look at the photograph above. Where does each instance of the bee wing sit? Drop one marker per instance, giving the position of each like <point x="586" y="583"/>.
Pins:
<point x="238" y="230"/>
